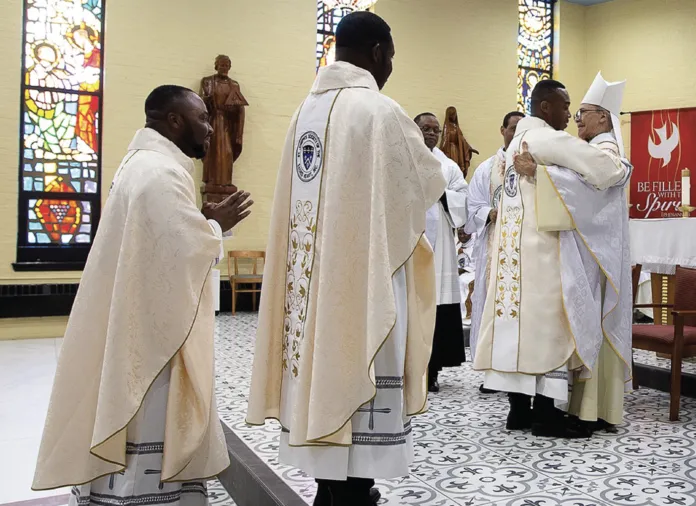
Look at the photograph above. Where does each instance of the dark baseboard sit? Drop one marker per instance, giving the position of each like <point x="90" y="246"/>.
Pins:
<point x="250" y="481"/>
<point x="659" y="379"/>
<point x="56" y="299"/>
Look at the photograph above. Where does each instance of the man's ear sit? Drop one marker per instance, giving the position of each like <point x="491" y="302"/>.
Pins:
<point x="377" y="53"/>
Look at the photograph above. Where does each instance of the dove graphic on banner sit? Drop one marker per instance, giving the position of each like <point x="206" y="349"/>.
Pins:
<point x="660" y="150"/>
<point x="664" y="149"/>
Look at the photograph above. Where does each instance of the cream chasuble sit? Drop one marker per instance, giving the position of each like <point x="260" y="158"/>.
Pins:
<point x="144" y="307"/>
<point x="525" y="327"/>
<point x="348" y="274"/>
<point x="485" y="188"/>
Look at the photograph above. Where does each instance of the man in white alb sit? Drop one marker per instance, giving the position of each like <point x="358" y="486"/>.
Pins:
<point x="442" y="219"/>
<point x="601" y="236"/>
<point x="348" y="303"/>
<point x="482" y="209"/>
<point x="133" y="414"/>
<point x="532" y="333"/>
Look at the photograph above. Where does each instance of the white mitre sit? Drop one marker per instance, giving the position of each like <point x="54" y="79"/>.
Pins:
<point x="608" y="96"/>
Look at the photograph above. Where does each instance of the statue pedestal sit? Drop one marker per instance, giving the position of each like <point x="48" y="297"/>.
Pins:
<point x="216" y="192"/>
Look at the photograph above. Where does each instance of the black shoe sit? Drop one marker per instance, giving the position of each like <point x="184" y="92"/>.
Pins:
<point x="561" y="430"/>
<point x="519" y="420"/>
<point x="375" y="495"/>
<point x="520" y="415"/>
<point x="485" y="390"/>
<point x="433" y="387"/>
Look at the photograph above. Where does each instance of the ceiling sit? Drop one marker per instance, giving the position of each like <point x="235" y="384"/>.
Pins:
<point x="588" y="2"/>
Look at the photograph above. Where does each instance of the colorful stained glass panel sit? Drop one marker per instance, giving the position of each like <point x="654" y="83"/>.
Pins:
<point x="61" y="109"/>
<point x="526" y="80"/>
<point x="62" y="46"/>
<point x="328" y="18"/>
<point x="59" y="221"/>
<point x="60" y="139"/>
<point x="534" y="47"/>
<point x="534" y="40"/>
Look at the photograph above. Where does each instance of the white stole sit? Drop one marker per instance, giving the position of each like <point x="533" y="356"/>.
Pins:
<point x="305" y="193"/>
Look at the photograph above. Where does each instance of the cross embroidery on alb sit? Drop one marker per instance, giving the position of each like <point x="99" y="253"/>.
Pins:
<point x="372" y="410"/>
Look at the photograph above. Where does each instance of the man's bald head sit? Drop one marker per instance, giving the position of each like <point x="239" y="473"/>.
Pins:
<point x="364" y="39"/>
<point x="181" y="116"/>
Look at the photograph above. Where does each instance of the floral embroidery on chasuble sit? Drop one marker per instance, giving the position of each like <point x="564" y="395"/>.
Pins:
<point x="495" y="189"/>
<point x="508" y="268"/>
<point x="307" y="175"/>
<point x="524" y="327"/>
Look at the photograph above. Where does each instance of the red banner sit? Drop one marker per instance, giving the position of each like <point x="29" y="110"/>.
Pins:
<point x="662" y="144"/>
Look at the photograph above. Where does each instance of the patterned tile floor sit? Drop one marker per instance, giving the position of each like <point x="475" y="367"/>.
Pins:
<point x="649" y="358"/>
<point x="463" y="455"/>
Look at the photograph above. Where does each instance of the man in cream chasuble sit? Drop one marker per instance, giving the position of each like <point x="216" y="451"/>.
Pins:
<point x="527" y="345"/>
<point x="133" y="412"/>
<point x="348" y="303"/>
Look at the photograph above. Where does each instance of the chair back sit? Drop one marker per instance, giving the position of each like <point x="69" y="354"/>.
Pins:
<point x="635" y="279"/>
<point x="235" y="256"/>
<point x="685" y="293"/>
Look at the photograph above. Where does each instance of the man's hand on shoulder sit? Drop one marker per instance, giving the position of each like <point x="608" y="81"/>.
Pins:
<point x="493" y="216"/>
<point x="524" y="162"/>
<point x="230" y="211"/>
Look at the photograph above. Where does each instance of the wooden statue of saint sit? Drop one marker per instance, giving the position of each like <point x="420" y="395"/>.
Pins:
<point x="453" y="143"/>
<point x="223" y="97"/>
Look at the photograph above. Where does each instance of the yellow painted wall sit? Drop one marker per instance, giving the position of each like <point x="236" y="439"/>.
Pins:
<point x="460" y="53"/>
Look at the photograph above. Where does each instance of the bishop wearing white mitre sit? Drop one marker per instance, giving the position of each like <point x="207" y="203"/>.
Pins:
<point x="535" y="326"/>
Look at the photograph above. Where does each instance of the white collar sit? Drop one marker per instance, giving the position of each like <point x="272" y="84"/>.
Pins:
<point x="148" y="139"/>
<point x="341" y="75"/>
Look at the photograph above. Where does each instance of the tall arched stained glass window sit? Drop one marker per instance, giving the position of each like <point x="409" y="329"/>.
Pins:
<point x="60" y="132"/>
<point x="534" y="48"/>
<point x="329" y="14"/>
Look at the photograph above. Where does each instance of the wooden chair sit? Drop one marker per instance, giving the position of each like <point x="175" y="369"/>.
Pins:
<point x="675" y="340"/>
<point x="635" y="281"/>
<point x="236" y="279"/>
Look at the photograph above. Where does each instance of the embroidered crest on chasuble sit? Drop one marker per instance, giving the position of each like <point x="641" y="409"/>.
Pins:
<point x="349" y="211"/>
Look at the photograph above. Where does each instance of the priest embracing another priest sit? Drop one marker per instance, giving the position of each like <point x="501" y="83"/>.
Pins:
<point x="557" y="316"/>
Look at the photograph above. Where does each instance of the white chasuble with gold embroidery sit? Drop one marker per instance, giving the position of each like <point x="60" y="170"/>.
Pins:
<point x="525" y="326"/>
<point x="347" y="308"/>
<point x="485" y="189"/>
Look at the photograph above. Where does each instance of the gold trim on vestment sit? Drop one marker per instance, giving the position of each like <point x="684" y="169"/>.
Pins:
<point x="316" y="442"/>
<point x="123" y="465"/>
<point x="599" y="264"/>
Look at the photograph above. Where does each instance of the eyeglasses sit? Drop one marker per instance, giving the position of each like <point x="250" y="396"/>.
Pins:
<point x="428" y="130"/>
<point x="581" y="112"/>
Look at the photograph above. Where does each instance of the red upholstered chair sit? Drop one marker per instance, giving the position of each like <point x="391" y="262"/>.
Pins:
<point x="676" y="340"/>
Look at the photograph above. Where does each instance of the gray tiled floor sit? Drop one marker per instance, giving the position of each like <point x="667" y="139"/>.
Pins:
<point x="463" y="455"/>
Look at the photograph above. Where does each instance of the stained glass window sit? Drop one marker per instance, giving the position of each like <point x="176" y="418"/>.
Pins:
<point x="60" y="132"/>
<point x="534" y="48"/>
<point x="329" y="14"/>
